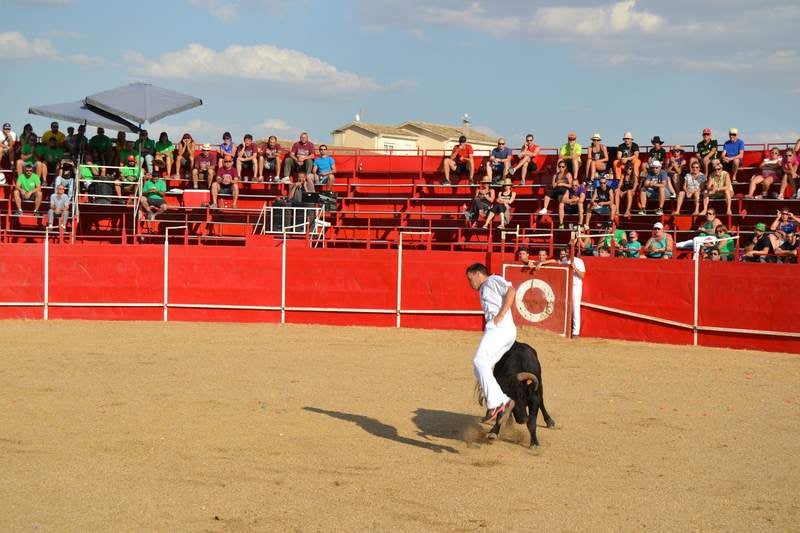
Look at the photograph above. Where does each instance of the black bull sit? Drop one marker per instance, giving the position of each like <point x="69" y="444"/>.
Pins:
<point x="519" y="374"/>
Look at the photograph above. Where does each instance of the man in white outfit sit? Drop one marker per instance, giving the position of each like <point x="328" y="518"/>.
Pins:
<point x="578" y="272"/>
<point x="497" y="297"/>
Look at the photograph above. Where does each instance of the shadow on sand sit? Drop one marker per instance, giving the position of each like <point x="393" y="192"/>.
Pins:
<point x="442" y="424"/>
<point x="384" y="431"/>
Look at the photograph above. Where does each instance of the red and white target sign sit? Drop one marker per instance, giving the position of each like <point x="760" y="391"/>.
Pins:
<point x="542" y="296"/>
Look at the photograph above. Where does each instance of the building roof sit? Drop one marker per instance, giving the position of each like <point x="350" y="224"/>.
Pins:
<point x="451" y="132"/>
<point x="377" y="129"/>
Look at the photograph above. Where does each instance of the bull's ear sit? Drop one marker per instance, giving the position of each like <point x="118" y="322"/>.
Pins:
<point x="528" y="382"/>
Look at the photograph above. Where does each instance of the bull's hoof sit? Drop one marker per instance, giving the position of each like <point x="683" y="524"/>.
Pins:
<point x="551" y="423"/>
<point x="492" y="435"/>
<point x="534" y="445"/>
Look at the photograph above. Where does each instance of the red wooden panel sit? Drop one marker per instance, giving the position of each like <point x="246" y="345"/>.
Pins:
<point x="22" y="273"/>
<point x="437" y="280"/>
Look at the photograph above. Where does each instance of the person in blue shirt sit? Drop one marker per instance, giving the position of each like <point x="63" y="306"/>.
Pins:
<point x="499" y="161"/>
<point x="733" y="153"/>
<point x="324" y="168"/>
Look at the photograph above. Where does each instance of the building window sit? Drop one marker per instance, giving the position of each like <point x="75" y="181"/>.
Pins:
<point x="387" y="146"/>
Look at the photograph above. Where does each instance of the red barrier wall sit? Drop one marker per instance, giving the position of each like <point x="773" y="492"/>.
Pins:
<point x="758" y="297"/>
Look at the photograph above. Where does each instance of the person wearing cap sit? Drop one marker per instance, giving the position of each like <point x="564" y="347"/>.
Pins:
<point x="527" y="158"/>
<point x="146" y="147"/>
<point x="499" y="162"/>
<point x="660" y="244"/>
<point x="572" y="202"/>
<point x="762" y="247"/>
<point x="502" y="205"/>
<point x="226" y="148"/>
<point x="460" y="161"/>
<point x="268" y="159"/>
<point x="768" y="172"/>
<point x="693" y="185"/>
<point x="597" y="163"/>
<point x="653" y="184"/>
<point x="602" y="202"/>
<point x="226" y="182"/>
<point x="659" y="153"/>
<point x="54" y="133"/>
<point x="28" y="187"/>
<point x="164" y="151"/>
<point x="300" y="158"/>
<point x="481" y="202"/>
<point x="129" y="175"/>
<point x="205" y="165"/>
<point x="59" y="207"/>
<point x="571" y="153"/>
<point x="733" y="153"/>
<point x="707" y="150"/>
<point x="246" y="158"/>
<point x="8" y="140"/>
<point x="154" y="190"/>
<point x="627" y="151"/>
<point x="184" y="159"/>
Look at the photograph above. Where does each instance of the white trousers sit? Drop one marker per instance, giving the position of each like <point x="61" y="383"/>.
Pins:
<point x="496" y="341"/>
<point x="577" y="292"/>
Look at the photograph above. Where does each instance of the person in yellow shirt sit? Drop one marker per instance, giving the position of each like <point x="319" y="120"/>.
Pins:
<point x="60" y="137"/>
<point x="571" y="153"/>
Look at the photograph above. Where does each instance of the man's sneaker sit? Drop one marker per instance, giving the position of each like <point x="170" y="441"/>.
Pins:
<point x="672" y="195"/>
<point x="498" y="414"/>
<point x="659" y="211"/>
<point x="18" y="212"/>
<point x="511" y="171"/>
<point x="287" y="179"/>
<point x="561" y="226"/>
<point x="543" y="211"/>
<point x="642" y="212"/>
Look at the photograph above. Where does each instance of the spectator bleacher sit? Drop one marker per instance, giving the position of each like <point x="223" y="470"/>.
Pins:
<point x="379" y="196"/>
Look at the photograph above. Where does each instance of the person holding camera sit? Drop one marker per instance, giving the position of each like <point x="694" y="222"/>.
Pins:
<point x="66" y="177"/>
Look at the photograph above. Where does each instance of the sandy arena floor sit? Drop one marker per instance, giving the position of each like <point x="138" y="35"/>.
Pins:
<point x="147" y="426"/>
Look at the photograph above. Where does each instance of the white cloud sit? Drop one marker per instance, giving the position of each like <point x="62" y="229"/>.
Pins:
<point x="259" y="62"/>
<point x="63" y="34"/>
<point x="790" y="136"/>
<point x="225" y="13"/>
<point x="16" y="46"/>
<point x="276" y="125"/>
<point x="418" y="34"/>
<point x="611" y="19"/>
<point x="201" y="130"/>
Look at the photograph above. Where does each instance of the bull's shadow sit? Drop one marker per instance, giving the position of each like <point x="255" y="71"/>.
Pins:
<point x="442" y="424"/>
<point x="379" y="429"/>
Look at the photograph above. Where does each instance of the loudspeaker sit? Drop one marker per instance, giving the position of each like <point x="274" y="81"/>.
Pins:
<point x="310" y="198"/>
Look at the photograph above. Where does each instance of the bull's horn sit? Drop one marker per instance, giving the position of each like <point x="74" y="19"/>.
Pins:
<point x="527" y="376"/>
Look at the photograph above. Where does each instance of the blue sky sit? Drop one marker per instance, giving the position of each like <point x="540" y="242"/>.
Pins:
<point x="278" y="67"/>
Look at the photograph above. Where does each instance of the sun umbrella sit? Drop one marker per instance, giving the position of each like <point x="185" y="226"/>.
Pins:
<point x="142" y="102"/>
<point x="80" y="113"/>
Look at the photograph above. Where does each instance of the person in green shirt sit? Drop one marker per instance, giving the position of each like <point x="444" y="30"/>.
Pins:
<point x="571" y="153"/>
<point x="633" y="247"/>
<point x="153" y="192"/>
<point x="147" y="148"/>
<point x="28" y="187"/>
<point x="102" y="150"/>
<point x="129" y="178"/>
<point x="164" y="150"/>
<point x="725" y="245"/>
<point x="27" y="153"/>
<point x="50" y="156"/>
<point x="615" y="237"/>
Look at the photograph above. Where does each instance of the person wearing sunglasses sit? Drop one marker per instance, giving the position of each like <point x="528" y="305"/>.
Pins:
<point x="790" y="164"/>
<point x="768" y="171"/>
<point x="733" y="153"/>
<point x="707" y="150"/>
<point x="718" y="186"/>
<point x="559" y="185"/>
<point x="693" y="185"/>
<point x="527" y="158"/>
<point x="499" y="161"/>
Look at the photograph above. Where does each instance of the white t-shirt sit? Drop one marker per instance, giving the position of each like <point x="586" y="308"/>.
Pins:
<point x="492" y="292"/>
<point x="578" y="266"/>
<point x="8" y="141"/>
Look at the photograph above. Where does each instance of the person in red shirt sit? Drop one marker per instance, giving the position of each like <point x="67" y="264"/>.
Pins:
<point x="226" y="182"/>
<point x="527" y="158"/>
<point x="460" y="161"/>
